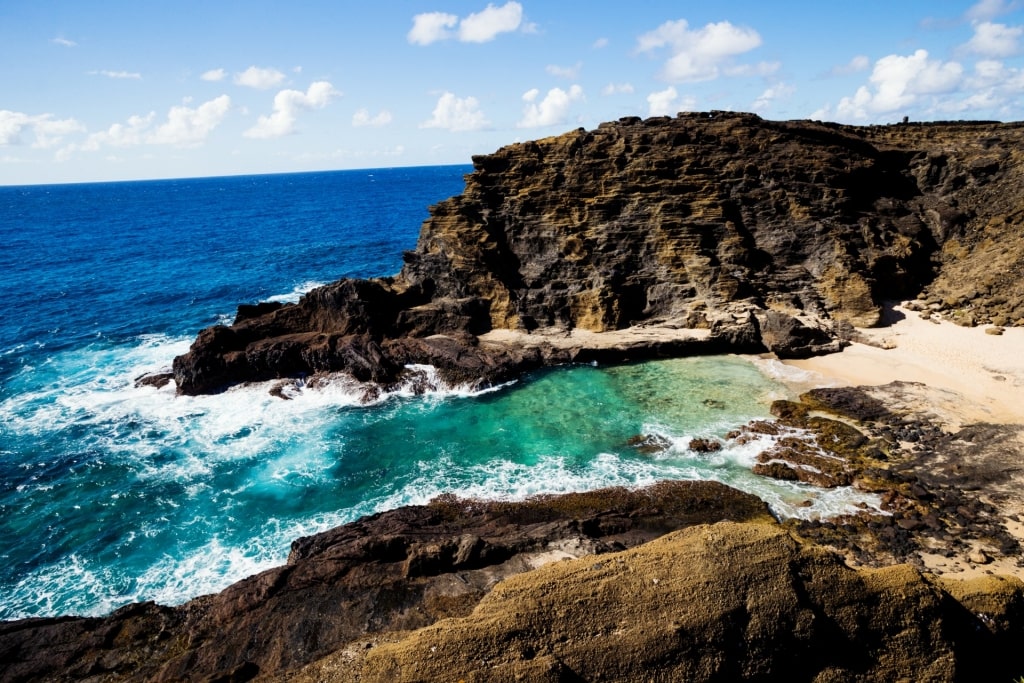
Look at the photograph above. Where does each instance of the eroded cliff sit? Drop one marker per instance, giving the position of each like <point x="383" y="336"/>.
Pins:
<point x="752" y="234"/>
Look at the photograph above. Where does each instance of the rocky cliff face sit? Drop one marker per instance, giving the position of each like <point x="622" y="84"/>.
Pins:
<point x="760" y="234"/>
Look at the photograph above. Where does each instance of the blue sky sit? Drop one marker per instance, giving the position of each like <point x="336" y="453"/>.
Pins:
<point x="130" y="90"/>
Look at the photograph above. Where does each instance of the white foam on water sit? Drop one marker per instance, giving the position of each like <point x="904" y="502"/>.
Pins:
<point x="787" y="374"/>
<point x="297" y="293"/>
<point x="732" y="465"/>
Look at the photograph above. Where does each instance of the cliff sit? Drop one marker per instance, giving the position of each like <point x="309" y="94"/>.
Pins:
<point x="724" y="232"/>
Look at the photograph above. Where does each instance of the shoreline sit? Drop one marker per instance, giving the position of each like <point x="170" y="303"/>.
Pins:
<point x="972" y="376"/>
<point x="955" y="377"/>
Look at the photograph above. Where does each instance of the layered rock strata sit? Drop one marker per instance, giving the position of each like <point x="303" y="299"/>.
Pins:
<point x="721" y="231"/>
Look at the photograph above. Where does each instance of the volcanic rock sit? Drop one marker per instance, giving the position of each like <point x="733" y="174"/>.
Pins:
<point x="391" y="572"/>
<point x="755" y="234"/>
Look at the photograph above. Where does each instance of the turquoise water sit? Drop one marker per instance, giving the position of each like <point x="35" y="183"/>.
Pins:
<point x="111" y="494"/>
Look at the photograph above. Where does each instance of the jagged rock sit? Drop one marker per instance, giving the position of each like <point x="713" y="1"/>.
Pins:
<point x="391" y="572"/>
<point x="726" y="223"/>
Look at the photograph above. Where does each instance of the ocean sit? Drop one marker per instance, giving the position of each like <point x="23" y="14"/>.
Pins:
<point x="112" y="493"/>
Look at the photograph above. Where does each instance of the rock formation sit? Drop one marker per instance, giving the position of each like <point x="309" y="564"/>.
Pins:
<point x="724" y="231"/>
<point x="391" y="572"/>
<point x="607" y="585"/>
<point x="698" y="234"/>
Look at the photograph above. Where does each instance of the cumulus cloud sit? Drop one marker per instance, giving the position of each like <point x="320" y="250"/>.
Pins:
<point x="550" y="111"/>
<point x="187" y="127"/>
<point x="63" y="41"/>
<point x="701" y="54"/>
<point x="479" y="27"/>
<point x="431" y="27"/>
<point x="362" y="118"/>
<point x="600" y="43"/>
<point x="994" y="40"/>
<point x="898" y="83"/>
<point x="484" y="26"/>
<point x="457" y="114"/>
<point x="261" y="79"/>
<point x="184" y="127"/>
<point x="214" y="75"/>
<point x="569" y="72"/>
<point x="617" y="89"/>
<point x="47" y="131"/>
<point x="287" y="105"/>
<point x="667" y="102"/>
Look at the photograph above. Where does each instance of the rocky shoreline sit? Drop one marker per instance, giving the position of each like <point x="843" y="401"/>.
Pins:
<point x="751" y="235"/>
<point x="688" y="580"/>
<point x="705" y="233"/>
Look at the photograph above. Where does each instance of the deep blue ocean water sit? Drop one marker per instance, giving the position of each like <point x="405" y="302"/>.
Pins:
<point x="111" y="494"/>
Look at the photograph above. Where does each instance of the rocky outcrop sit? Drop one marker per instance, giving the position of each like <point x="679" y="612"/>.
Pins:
<point x="752" y="234"/>
<point x="392" y="572"/>
<point x="608" y="585"/>
<point x="725" y="602"/>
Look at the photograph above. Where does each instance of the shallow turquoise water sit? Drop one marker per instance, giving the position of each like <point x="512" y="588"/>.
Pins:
<point x="111" y="494"/>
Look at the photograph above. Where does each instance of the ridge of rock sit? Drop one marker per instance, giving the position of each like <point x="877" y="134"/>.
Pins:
<point x="724" y="231"/>
<point x="390" y="572"/>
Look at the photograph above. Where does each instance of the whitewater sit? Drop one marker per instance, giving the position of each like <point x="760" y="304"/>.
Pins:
<point x="112" y="493"/>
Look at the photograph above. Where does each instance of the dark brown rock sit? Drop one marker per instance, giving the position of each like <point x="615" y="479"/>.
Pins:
<point x="394" y="571"/>
<point x="764" y="234"/>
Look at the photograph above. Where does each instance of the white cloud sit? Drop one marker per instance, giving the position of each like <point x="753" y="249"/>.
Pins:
<point x="214" y="75"/>
<point x="702" y="54"/>
<point x="776" y="92"/>
<point x="994" y="40"/>
<point x="186" y="127"/>
<point x="131" y="75"/>
<point x="667" y="102"/>
<point x="431" y="27"/>
<point x="457" y="114"/>
<point x="617" y="89"/>
<point x="898" y="83"/>
<point x="550" y="111"/>
<point x="118" y="135"/>
<point x="47" y="130"/>
<point x="261" y="79"/>
<point x="600" y="43"/>
<point x="569" y="72"/>
<point x="362" y="118"/>
<point x="63" y="41"/>
<point x="479" y="27"/>
<point x="485" y="25"/>
<point x="287" y="105"/>
<point x="990" y="9"/>
<point x="855" y="65"/>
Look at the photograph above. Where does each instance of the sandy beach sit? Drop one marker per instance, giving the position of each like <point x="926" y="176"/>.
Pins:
<point x="963" y="376"/>
<point x="974" y="376"/>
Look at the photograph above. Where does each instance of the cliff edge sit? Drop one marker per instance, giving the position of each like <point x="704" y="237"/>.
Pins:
<point x="721" y="232"/>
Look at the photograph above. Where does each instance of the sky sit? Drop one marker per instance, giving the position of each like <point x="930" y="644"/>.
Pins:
<point x="140" y="90"/>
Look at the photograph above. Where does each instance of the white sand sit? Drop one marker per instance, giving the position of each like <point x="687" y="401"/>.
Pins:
<point x="977" y="376"/>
